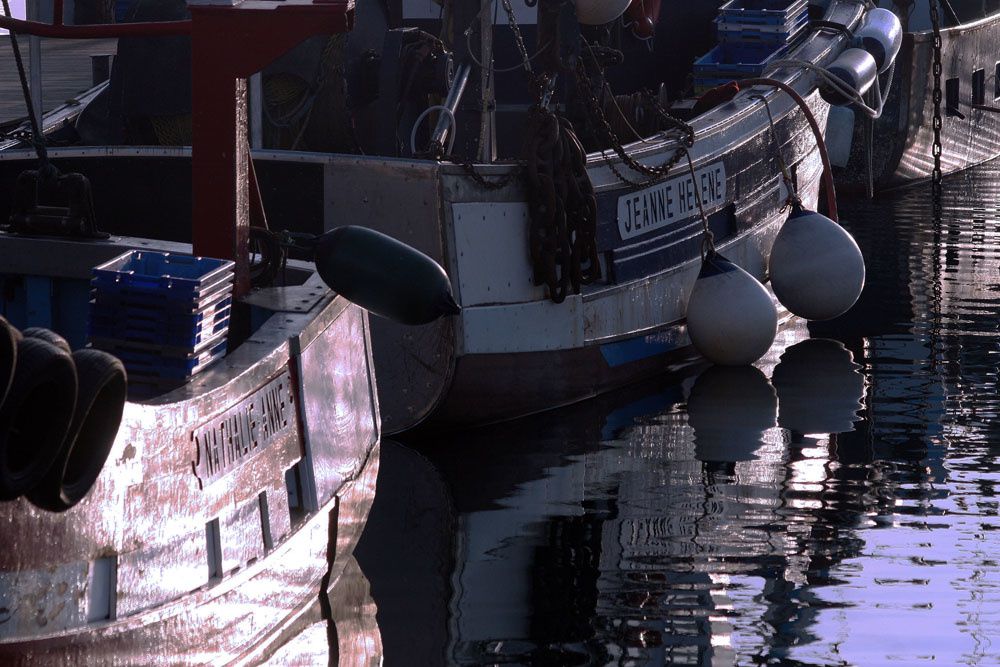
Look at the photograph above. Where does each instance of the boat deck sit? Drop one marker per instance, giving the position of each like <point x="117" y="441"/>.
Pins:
<point x="66" y="71"/>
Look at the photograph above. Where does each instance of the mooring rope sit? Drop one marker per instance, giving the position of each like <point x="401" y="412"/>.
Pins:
<point x="793" y="196"/>
<point x="831" y="192"/>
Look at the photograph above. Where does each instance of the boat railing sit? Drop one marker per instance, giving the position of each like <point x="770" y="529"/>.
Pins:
<point x="60" y="30"/>
<point x="220" y="221"/>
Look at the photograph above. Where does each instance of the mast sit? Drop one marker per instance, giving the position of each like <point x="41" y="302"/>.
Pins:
<point x="476" y="117"/>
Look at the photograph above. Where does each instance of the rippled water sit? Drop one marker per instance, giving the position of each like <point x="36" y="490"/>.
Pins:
<point x="837" y="505"/>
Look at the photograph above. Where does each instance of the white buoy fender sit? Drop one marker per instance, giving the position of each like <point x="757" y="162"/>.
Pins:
<point x="817" y="271"/>
<point x="855" y="69"/>
<point x="820" y="388"/>
<point x="599" y="12"/>
<point x="881" y="35"/>
<point x="731" y="318"/>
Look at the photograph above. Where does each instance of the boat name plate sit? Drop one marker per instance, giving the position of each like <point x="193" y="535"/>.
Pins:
<point x="243" y="430"/>
<point x="670" y="201"/>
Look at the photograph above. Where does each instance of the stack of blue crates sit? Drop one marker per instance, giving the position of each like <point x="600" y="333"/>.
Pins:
<point x="750" y="34"/>
<point x="165" y="315"/>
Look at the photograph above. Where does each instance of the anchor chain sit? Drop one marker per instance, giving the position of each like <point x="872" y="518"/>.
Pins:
<point x="936" y="123"/>
<point x="562" y="236"/>
<point x="610" y="137"/>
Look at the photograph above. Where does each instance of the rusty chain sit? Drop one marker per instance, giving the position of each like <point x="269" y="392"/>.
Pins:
<point x="562" y="236"/>
<point x="597" y="116"/>
<point x="936" y="175"/>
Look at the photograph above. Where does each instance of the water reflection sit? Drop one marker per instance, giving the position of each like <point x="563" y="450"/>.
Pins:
<point x="836" y="505"/>
<point x="729" y="410"/>
<point x="819" y="387"/>
<point x="341" y="629"/>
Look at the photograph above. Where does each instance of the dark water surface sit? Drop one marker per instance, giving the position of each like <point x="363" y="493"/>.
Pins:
<point x="837" y="505"/>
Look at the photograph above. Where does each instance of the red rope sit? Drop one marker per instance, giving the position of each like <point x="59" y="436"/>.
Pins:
<point x="831" y="193"/>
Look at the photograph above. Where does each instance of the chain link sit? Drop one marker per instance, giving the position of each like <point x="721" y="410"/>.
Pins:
<point x="518" y="38"/>
<point x="596" y="112"/>
<point x="936" y="123"/>
<point x="563" y="231"/>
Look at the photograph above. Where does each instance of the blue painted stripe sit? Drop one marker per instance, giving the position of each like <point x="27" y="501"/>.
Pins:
<point x="642" y="347"/>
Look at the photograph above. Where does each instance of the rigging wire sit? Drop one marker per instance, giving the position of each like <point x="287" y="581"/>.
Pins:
<point x="38" y="138"/>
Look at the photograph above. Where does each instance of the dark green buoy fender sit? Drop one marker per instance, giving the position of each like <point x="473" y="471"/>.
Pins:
<point x="383" y="275"/>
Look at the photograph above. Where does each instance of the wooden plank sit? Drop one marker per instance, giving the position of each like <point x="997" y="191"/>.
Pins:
<point x="66" y="71"/>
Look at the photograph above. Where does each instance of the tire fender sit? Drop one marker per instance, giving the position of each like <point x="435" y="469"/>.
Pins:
<point x="8" y="357"/>
<point x="49" y="336"/>
<point x="36" y="417"/>
<point x="97" y="417"/>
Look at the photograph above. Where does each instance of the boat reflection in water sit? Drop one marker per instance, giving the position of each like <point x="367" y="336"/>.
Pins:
<point x="670" y="522"/>
<point x="340" y="629"/>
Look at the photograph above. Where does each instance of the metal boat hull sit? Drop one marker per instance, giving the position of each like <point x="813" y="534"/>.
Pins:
<point x="207" y="533"/>
<point x="902" y="139"/>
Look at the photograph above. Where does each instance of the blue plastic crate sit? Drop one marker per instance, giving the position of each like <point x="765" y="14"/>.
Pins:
<point x="153" y="337"/>
<point x="162" y="273"/>
<point x="723" y="60"/>
<point x="741" y="34"/>
<point x="763" y="12"/>
<point x="154" y="366"/>
<point x="117" y="312"/>
<point x="719" y="66"/>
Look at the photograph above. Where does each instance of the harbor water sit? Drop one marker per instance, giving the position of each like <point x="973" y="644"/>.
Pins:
<point x="835" y="505"/>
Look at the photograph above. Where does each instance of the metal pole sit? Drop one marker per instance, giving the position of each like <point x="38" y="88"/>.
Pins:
<point x="487" y="120"/>
<point x="35" y="63"/>
<point x="256" y="111"/>
<point x="443" y="127"/>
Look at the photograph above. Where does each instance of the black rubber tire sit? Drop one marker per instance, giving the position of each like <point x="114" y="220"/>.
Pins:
<point x="8" y="357"/>
<point x="99" y="406"/>
<point x="36" y="416"/>
<point x="49" y="336"/>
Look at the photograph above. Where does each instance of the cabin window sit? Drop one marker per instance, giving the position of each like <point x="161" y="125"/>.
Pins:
<point x="951" y="88"/>
<point x="213" y="549"/>
<point x="979" y="86"/>
<point x="996" y="82"/>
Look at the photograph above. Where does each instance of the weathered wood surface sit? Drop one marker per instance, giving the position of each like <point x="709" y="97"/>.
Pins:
<point x="66" y="71"/>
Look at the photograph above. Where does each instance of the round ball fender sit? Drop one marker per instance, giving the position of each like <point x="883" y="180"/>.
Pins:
<point x="816" y="268"/>
<point x="383" y="275"/>
<point x="880" y="34"/>
<point x="731" y="318"/>
<point x="599" y="12"/>
<point x="855" y="69"/>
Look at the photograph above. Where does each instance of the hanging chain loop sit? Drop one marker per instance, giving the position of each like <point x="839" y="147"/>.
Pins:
<point x="610" y="137"/>
<point x="563" y="232"/>
<point x="936" y="123"/>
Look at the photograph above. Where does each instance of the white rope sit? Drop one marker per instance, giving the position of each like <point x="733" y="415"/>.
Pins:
<point x="424" y="114"/>
<point x="839" y="86"/>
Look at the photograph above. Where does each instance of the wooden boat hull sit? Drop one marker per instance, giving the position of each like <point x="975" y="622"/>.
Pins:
<point x="902" y="139"/>
<point x="222" y="505"/>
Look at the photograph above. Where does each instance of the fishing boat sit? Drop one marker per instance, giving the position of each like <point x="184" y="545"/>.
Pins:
<point x="399" y="127"/>
<point x="898" y="148"/>
<point x="184" y="474"/>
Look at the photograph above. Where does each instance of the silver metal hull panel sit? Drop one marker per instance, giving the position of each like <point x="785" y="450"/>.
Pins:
<point x="188" y="541"/>
<point x="233" y="622"/>
<point x="903" y="137"/>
